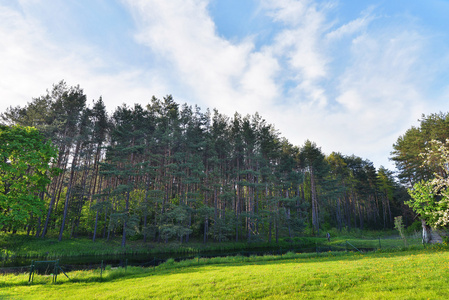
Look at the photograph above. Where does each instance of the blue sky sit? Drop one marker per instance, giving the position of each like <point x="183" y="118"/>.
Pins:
<point x="351" y="76"/>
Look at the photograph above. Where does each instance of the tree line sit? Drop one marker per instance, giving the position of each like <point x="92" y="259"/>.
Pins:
<point x="167" y="171"/>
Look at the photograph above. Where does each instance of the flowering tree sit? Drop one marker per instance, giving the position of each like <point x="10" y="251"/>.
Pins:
<point x="430" y="198"/>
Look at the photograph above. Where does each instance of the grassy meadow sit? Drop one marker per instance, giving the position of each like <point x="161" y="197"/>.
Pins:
<point x="411" y="274"/>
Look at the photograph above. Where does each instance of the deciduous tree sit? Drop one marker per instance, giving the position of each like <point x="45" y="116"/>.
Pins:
<point x="25" y="172"/>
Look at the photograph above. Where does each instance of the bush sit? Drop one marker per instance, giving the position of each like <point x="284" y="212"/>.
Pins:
<point x="168" y="263"/>
<point x="136" y="237"/>
<point x="414" y="227"/>
<point x="289" y="255"/>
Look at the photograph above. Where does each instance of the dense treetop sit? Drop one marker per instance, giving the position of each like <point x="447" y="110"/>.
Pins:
<point x="407" y="149"/>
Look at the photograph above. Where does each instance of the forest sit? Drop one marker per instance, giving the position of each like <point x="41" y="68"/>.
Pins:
<point x="168" y="172"/>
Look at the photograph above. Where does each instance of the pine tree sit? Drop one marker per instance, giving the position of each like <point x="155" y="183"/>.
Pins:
<point x="314" y="165"/>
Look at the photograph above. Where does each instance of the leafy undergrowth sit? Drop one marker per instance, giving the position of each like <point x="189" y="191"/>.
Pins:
<point x="413" y="274"/>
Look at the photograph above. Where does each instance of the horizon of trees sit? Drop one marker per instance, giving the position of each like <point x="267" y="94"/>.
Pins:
<point x="166" y="171"/>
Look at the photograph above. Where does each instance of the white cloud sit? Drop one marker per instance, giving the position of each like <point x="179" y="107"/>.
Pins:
<point x="212" y="70"/>
<point x="362" y="106"/>
<point x="379" y="92"/>
<point x="352" y="87"/>
<point x="382" y="76"/>
<point x="294" y="82"/>
<point x="290" y="12"/>
<point x="19" y="51"/>
<point x="352" y="27"/>
<point x="32" y="61"/>
<point x="300" y="43"/>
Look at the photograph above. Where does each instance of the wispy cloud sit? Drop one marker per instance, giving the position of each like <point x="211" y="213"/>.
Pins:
<point x="212" y="70"/>
<point x="299" y="44"/>
<point x="351" y="86"/>
<point x="352" y="27"/>
<point x="32" y="60"/>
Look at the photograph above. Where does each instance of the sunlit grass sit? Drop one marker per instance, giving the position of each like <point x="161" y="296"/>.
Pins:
<point x="417" y="274"/>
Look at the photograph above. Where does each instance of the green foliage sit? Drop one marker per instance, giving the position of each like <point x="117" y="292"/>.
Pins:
<point x="399" y="226"/>
<point x="414" y="227"/>
<point x="408" y="148"/>
<point x="424" y="202"/>
<point x="25" y="171"/>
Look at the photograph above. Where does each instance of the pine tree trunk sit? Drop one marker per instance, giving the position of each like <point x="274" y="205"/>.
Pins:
<point x="69" y="188"/>
<point x="314" y="203"/>
<point x="95" y="227"/>
<point x="97" y="213"/>
<point x="125" y="223"/>
<point x="338" y="215"/>
<point x="58" y="186"/>
<point x="205" y="230"/>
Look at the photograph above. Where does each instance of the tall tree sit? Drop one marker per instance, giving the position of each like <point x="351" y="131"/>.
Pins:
<point x="24" y="174"/>
<point x="314" y="165"/>
<point x="69" y="105"/>
<point x="408" y="147"/>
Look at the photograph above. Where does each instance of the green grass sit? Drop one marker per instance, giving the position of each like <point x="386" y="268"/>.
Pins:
<point x="412" y="274"/>
<point x="393" y="242"/>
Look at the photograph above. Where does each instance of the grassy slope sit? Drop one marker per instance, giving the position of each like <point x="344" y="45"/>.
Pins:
<point x="399" y="275"/>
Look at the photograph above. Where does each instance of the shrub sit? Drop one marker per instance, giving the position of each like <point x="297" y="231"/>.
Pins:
<point x="414" y="227"/>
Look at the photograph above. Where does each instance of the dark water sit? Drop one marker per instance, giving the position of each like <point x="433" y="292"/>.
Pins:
<point x="21" y="264"/>
<point x="137" y="259"/>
